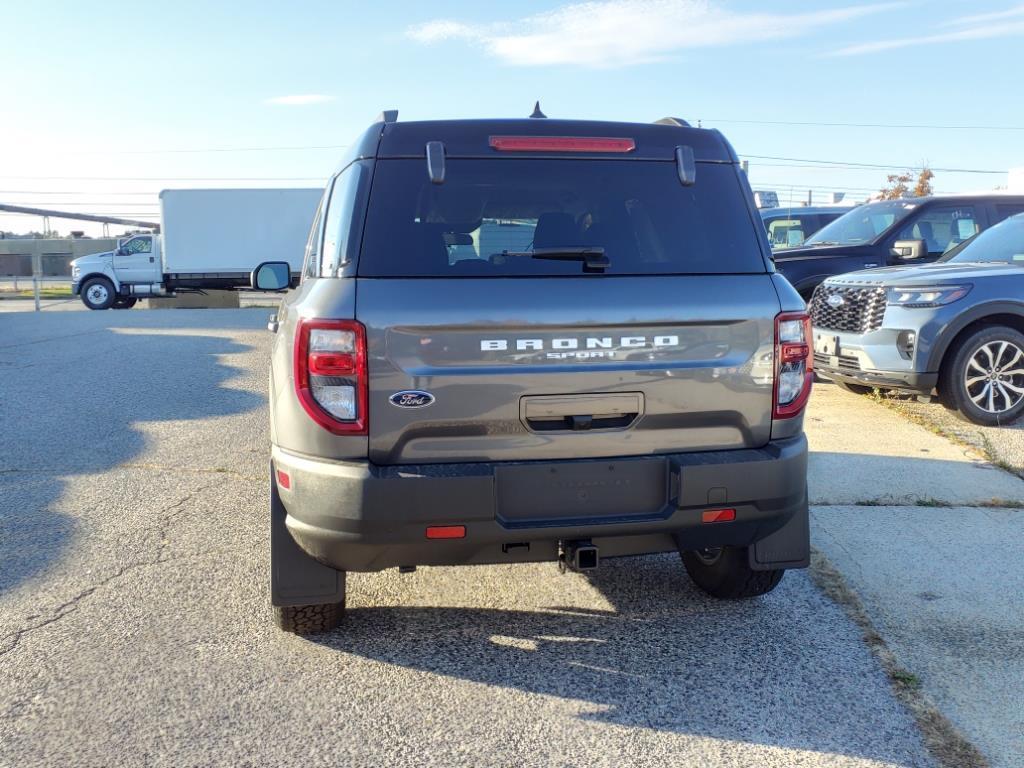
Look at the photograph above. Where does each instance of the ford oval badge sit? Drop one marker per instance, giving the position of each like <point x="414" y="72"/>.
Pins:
<point x="412" y="398"/>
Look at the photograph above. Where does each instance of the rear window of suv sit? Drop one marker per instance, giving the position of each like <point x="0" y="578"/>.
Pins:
<point x="489" y="215"/>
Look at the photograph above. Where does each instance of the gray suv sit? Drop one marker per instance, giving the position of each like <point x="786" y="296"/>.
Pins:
<point x="955" y="326"/>
<point x="535" y="340"/>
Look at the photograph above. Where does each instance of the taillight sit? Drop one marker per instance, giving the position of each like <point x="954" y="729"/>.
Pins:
<point x="330" y="374"/>
<point x="794" y="364"/>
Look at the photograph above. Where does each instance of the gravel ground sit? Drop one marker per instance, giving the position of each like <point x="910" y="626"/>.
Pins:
<point x="135" y="630"/>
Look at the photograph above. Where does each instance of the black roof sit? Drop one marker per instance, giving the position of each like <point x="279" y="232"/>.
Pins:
<point x="470" y="138"/>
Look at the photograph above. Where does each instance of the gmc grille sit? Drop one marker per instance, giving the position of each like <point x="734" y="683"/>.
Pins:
<point x="861" y="311"/>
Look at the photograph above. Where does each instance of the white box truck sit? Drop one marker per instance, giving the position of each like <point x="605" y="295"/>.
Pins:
<point x="210" y="239"/>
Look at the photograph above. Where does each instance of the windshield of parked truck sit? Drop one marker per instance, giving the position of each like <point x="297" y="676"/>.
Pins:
<point x="863" y="224"/>
<point x="526" y="217"/>
<point x="1003" y="243"/>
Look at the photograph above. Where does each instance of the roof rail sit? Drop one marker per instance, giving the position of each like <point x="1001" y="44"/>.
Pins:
<point x="388" y="116"/>
<point x="676" y="121"/>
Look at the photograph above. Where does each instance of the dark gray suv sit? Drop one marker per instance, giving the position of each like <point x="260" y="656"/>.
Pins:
<point x="955" y="326"/>
<point x="535" y="340"/>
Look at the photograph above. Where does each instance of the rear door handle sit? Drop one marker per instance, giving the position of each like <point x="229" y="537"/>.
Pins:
<point x="870" y="264"/>
<point x="579" y="413"/>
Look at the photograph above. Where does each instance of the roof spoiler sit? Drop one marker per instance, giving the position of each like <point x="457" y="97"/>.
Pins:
<point x="387" y="116"/>
<point x="678" y="122"/>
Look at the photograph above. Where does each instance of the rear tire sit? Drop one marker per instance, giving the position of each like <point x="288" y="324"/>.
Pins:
<point x="124" y="303"/>
<point x="989" y="360"/>
<point x="854" y="389"/>
<point x="98" y="293"/>
<point x="725" y="573"/>
<point x="309" y="619"/>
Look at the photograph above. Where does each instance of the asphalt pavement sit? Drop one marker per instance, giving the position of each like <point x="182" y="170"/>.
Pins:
<point x="135" y="629"/>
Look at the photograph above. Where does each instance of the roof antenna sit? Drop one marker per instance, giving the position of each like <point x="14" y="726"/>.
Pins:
<point x="536" y="111"/>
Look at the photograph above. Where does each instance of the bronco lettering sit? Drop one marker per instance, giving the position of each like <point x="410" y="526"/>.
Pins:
<point x="600" y="342"/>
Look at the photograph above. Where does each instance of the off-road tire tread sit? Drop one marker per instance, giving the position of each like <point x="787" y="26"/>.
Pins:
<point x="309" y="619"/>
<point x="733" y="580"/>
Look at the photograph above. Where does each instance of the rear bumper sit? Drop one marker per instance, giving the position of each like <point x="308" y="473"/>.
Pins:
<point x="922" y="383"/>
<point x="76" y="287"/>
<point x="357" y="516"/>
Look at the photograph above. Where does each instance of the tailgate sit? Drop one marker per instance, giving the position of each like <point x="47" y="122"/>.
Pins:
<point x="573" y="367"/>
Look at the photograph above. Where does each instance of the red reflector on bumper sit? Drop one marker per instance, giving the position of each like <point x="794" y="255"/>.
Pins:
<point x="718" y="515"/>
<point x="446" y="532"/>
<point x="284" y="480"/>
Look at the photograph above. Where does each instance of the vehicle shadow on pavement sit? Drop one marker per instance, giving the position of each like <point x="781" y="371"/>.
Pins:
<point x="75" y="389"/>
<point x="666" y="658"/>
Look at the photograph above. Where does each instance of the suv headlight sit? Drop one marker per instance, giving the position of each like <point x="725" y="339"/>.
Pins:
<point x="925" y="296"/>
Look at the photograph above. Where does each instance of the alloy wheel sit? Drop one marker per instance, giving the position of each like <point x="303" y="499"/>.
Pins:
<point x="994" y="376"/>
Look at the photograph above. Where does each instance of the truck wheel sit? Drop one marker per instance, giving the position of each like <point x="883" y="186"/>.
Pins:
<point x="856" y="389"/>
<point x="984" y="379"/>
<point x="725" y="573"/>
<point x="124" y="303"/>
<point x="98" y="293"/>
<point x="309" y="619"/>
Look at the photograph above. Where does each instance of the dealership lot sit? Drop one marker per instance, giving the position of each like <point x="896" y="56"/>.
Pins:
<point x="135" y="629"/>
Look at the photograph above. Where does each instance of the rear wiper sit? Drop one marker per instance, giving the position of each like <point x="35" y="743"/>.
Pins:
<point x="593" y="258"/>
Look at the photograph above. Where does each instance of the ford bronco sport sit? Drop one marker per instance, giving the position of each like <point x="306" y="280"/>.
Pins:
<point x="535" y="340"/>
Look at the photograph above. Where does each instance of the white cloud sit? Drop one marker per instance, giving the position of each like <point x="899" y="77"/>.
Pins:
<point x="983" y="32"/>
<point x="299" y="99"/>
<point x="985" y="18"/>
<point x="609" y="33"/>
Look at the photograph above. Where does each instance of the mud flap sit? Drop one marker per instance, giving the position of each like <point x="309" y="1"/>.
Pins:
<point x="295" y="577"/>
<point x="788" y="547"/>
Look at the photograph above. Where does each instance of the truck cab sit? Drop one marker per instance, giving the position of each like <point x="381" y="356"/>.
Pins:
<point x="104" y="280"/>
<point x="904" y="232"/>
<point x="137" y="259"/>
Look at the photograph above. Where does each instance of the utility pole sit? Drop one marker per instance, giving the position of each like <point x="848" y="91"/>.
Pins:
<point x="37" y="274"/>
<point x="810" y="196"/>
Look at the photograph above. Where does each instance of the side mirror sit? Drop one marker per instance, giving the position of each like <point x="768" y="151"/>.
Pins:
<point x="271" y="276"/>
<point x="909" y="249"/>
<point x="122" y="252"/>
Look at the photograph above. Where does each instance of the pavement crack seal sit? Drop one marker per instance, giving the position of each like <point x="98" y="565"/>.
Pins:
<point x="942" y="739"/>
<point x="169" y="514"/>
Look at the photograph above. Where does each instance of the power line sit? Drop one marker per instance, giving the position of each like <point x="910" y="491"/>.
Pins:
<point x="194" y="151"/>
<point x="876" y="166"/>
<point x="912" y="126"/>
<point x="90" y="204"/>
<point x="320" y="179"/>
<point x="73" y="192"/>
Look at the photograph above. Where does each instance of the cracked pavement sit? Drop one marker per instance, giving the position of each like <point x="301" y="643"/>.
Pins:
<point x="135" y="629"/>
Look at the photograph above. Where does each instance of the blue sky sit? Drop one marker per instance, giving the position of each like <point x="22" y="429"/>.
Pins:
<point x="108" y="93"/>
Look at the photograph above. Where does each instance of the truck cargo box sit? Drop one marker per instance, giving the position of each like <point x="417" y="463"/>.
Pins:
<point x="225" y="231"/>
